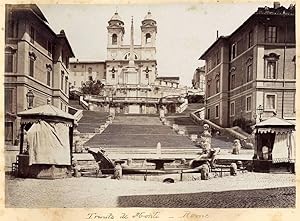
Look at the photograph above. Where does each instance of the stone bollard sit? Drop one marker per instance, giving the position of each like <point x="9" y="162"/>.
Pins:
<point x="76" y="169"/>
<point x="236" y="147"/>
<point x="204" y="170"/>
<point x="118" y="172"/>
<point x="233" y="169"/>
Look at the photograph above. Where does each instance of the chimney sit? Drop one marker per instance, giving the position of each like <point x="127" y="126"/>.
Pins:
<point x="276" y="5"/>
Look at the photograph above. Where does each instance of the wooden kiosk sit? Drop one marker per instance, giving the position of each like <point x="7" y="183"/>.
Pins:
<point x="275" y="146"/>
<point x="45" y="143"/>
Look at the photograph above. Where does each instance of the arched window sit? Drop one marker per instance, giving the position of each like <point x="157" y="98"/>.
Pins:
<point x="127" y="56"/>
<point x="114" y="39"/>
<point x="148" y="38"/>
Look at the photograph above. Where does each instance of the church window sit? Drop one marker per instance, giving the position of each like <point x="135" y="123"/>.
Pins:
<point x="148" y="38"/>
<point x="127" y="56"/>
<point x="113" y="76"/>
<point x="114" y="39"/>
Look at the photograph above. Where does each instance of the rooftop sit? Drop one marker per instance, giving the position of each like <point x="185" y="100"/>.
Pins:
<point x="87" y="62"/>
<point x="275" y="122"/>
<point x="46" y="110"/>
<point x="149" y="16"/>
<point x="116" y="17"/>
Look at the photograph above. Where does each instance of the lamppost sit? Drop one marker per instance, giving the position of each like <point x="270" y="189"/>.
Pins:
<point x="260" y="111"/>
<point x="30" y="97"/>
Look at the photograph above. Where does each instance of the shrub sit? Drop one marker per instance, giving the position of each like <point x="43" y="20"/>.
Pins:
<point x="244" y="124"/>
<point x="92" y="87"/>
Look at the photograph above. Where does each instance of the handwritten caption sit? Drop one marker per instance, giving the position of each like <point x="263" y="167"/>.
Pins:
<point x="144" y="215"/>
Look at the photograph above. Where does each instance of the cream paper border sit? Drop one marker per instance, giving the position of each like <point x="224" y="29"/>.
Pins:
<point x="11" y="214"/>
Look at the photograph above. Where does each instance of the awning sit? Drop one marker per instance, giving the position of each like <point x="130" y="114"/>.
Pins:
<point x="274" y="130"/>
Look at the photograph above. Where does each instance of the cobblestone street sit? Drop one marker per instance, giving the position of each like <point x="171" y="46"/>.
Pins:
<point x="245" y="190"/>
<point x="282" y="197"/>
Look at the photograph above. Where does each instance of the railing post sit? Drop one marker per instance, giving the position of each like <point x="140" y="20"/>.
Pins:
<point x="145" y="176"/>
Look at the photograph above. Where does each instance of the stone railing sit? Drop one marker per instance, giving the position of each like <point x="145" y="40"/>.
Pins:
<point x="235" y="134"/>
<point x="78" y="114"/>
<point x="183" y="106"/>
<point x="83" y="103"/>
<point x="97" y="98"/>
<point x="225" y="131"/>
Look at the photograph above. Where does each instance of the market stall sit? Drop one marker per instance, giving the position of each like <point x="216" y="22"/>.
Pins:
<point x="275" y="145"/>
<point x="45" y="143"/>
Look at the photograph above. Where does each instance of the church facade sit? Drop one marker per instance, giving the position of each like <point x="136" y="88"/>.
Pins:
<point x="132" y="85"/>
<point x="119" y="54"/>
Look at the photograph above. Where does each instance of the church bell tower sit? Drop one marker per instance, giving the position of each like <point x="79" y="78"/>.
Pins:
<point x="148" y="30"/>
<point x="115" y="32"/>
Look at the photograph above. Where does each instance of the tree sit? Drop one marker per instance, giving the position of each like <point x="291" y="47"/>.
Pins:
<point x="92" y="87"/>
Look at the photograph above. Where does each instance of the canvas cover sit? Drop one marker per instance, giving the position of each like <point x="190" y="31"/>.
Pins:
<point x="292" y="150"/>
<point x="284" y="148"/>
<point x="281" y="148"/>
<point x="48" y="143"/>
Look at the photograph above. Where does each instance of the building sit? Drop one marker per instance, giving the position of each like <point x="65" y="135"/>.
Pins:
<point x="198" y="81"/>
<point x="253" y="68"/>
<point x="36" y="64"/>
<point x="132" y="85"/>
<point x="172" y="82"/>
<point x="83" y="71"/>
<point x="143" y="56"/>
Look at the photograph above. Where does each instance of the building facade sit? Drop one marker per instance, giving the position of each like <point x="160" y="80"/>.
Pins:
<point x="83" y="71"/>
<point x="119" y="54"/>
<point x="253" y="67"/>
<point x="198" y="81"/>
<point x="36" y="61"/>
<point x="132" y="85"/>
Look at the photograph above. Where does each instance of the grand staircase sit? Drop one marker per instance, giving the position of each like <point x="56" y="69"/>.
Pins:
<point x="184" y="121"/>
<point x="91" y="120"/>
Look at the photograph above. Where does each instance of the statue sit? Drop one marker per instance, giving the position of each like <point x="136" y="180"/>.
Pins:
<point x="205" y="138"/>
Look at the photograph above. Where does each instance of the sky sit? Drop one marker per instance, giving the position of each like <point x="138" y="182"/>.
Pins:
<point x="184" y="31"/>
